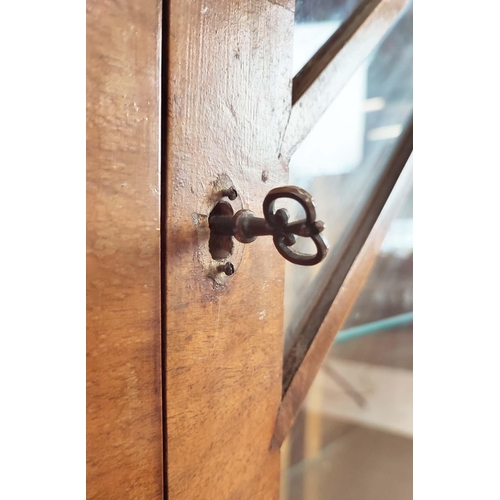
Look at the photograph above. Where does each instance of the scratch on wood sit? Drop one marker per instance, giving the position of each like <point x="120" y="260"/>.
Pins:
<point x="285" y="128"/>
<point x="218" y="317"/>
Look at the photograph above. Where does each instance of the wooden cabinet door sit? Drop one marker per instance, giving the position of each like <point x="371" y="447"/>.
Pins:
<point x="235" y="114"/>
<point x="189" y="393"/>
<point x="229" y="100"/>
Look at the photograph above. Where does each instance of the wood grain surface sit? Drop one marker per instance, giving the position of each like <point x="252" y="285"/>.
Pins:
<point x="339" y="310"/>
<point x="124" y="398"/>
<point x="229" y="88"/>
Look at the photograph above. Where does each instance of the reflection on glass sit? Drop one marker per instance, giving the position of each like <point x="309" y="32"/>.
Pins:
<point x="353" y="438"/>
<point x="315" y="23"/>
<point x="346" y="151"/>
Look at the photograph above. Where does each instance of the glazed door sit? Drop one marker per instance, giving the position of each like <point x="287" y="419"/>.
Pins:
<point x="201" y="347"/>
<point x="236" y="114"/>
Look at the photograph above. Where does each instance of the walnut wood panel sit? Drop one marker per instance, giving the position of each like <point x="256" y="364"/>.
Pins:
<point x="339" y="310"/>
<point x="124" y="397"/>
<point x="229" y="87"/>
<point x="324" y="76"/>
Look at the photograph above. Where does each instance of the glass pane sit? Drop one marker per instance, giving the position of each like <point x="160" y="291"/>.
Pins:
<point x="353" y="438"/>
<point x="346" y="151"/>
<point x="315" y="23"/>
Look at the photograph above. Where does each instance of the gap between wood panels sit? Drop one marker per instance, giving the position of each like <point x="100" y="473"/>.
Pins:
<point x="164" y="10"/>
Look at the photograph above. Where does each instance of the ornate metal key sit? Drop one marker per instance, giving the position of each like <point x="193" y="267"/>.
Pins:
<point x="246" y="227"/>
